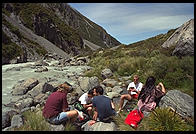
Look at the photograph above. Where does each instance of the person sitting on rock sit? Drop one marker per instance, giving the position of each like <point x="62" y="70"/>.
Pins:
<point x="104" y="107"/>
<point x="134" y="89"/>
<point x="86" y="101"/>
<point x="56" y="109"/>
<point x="150" y="95"/>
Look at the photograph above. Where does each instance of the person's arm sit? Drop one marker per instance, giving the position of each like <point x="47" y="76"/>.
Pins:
<point x="162" y="87"/>
<point x="95" y="115"/>
<point x="112" y="104"/>
<point x="87" y="105"/>
<point x="65" y="107"/>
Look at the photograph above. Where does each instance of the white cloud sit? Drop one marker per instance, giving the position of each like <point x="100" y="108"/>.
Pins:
<point x="132" y="19"/>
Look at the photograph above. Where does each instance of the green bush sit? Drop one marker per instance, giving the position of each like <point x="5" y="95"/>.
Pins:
<point x="164" y="119"/>
<point x="34" y="122"/>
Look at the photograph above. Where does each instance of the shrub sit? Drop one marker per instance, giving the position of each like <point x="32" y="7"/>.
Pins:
<point x="34" y="121"/>
<point x="164" y="119"/>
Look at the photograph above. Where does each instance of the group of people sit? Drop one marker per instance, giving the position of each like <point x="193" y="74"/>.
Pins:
<point x="98" y="106"/>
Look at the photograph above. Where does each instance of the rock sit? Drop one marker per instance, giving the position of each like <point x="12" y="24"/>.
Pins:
<point x="117" y="89"/>
<point x="7" y="128"/>
<point x="36" y="90"/>
<point x="112" y="95"/>
<point x="13" y="69"/>
<point x="40" y="98"/>
<point x="47" y="87"/>
<point x="41" y="63"/>
<point x="6" y="121"/>
<point x="108" y="89"/>
<point x="42" y="69"/>
<point x="38" y="106"/>
<point x="110" y="83"/>
<point x="71" y="99"/>
<point x="28" y="102"/>
<point x="100" y="126"/>
<point x="17" y="121"/>
<point x="182" y="39"/>
<point x="87" y="83"/>
<point x="57" y="127"/>
<point x="25" y="109"/>
<point x="24" y="87"/>
<point x="33" y="108"/>
<point x="106" y="73"/>
<point x="181" y="102"/>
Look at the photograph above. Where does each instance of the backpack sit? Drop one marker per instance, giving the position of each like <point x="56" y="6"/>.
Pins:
<point x="78" y="106"/>
<point x="134" y="118"/>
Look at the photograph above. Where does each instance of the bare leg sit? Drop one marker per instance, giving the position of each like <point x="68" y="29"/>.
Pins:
<point x="90" y="112"/>
<point x="73" y="114"/>
<point x="124" y="96"/>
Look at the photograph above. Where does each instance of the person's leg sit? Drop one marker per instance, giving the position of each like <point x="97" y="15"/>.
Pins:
<point x="124" y="96"/>
<point x="73" y="114"/>
<point x="90" y="111"/>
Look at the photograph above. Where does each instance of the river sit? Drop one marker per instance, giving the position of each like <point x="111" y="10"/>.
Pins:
<point x="11" y="77"/>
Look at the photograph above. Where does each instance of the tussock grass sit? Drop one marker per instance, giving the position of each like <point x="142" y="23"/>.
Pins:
<point x="164" y="119"/>
<point x="34" y="122"/>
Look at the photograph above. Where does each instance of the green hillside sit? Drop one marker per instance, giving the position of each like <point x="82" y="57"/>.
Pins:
<point x="147" y="58"/>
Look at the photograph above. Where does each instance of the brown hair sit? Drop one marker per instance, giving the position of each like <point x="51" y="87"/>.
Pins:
<point x="63" y="87"/>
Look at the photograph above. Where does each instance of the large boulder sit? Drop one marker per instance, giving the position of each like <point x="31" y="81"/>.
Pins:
<point x="182" y="39"/>
<point x="100" y="126"/>
<point x="181" y="102"/>
<point x="106" y="73"/>
<point x="24" y="86"/>
<point x="87" y="83"/>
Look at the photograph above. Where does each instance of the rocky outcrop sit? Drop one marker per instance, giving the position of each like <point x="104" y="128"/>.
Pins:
<point x="182" y="40"/>
<point x="180" y="102"/>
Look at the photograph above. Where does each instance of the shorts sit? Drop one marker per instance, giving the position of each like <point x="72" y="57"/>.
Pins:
<point x="62" y="117"/>
<point x="135" y="96"/>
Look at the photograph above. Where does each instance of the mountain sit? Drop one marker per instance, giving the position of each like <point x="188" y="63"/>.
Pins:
<point x="182" y="40"/>
<point x="32" y="30"/>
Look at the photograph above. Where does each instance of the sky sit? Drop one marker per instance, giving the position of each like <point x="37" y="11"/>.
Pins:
<point x="132" y="22"/>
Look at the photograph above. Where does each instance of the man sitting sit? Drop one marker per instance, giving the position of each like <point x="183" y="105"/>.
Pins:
<point x="104" y="107"/>
<point x="134" y="89"/>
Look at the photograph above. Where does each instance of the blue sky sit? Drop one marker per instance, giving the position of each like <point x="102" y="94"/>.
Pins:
<point x="132" y="22"/>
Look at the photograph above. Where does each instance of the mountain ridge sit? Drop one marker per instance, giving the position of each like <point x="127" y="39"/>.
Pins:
<point x="58" y="23"/>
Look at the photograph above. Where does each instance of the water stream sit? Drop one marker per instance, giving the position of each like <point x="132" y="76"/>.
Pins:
<point x="11" y="77"/>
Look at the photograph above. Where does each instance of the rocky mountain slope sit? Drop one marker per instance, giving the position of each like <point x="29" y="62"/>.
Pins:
<point x="30" y="30"/>
<point x="182" y="40"/>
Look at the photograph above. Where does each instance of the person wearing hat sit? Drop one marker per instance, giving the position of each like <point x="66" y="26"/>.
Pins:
<point x="134" y="89"/>
<point x="56" y="109"/>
